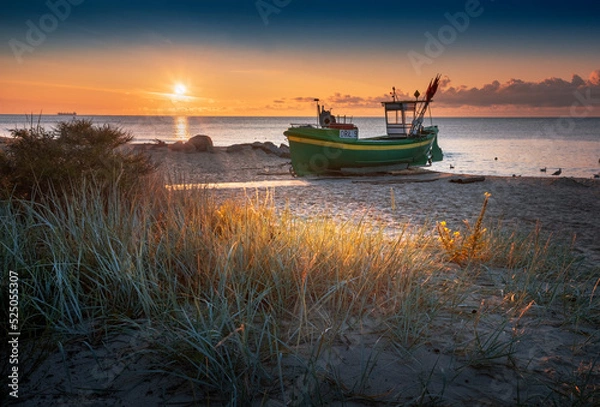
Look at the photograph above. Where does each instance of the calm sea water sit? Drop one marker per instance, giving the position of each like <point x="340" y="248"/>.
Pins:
<point x="485" y="146"/>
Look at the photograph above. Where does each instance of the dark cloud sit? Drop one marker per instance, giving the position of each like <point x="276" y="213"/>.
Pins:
<point x="548" y="93"/>
<point x="357" y="101"/>
<point x="338" y="98"/>
<point x="302" y="99"/>
<point x="551" y="92"/>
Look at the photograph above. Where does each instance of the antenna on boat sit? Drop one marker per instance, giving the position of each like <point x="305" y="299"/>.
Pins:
<point x="318" y="111"/>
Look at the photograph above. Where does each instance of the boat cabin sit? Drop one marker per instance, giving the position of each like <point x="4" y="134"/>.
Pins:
<point x="399" y="116"/>
<point x="403" y="117"/>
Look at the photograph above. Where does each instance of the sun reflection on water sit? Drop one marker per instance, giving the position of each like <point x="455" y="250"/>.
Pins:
<point x="181" y="128"/>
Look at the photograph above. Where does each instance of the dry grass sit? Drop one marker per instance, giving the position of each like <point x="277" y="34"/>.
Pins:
<point x="253" y="304"/>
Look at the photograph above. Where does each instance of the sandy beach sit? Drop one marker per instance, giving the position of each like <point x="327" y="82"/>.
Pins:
<point x="564" y="207"/>
<point x="561" y="205"/>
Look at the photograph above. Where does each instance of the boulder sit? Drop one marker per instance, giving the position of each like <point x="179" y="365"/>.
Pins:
<point x="267" y="147"/>
<point x="284" y="151"/>
<point x="270" y="148"/>
<point x="182" y="147"/>
<point x="237" y="147"/>
<point x="201" y="143"/>
<point x="159" y="143"/>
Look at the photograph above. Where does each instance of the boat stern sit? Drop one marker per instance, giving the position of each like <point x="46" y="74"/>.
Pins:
<point x="436" y="152"/>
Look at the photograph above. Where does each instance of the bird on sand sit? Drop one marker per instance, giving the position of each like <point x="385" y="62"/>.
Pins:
<point x="558" y="172"/>
<point x="543" y="169"/>
<point x="451" y="166"/>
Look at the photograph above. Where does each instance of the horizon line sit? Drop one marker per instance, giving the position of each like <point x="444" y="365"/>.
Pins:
<point x="77" y="115"/>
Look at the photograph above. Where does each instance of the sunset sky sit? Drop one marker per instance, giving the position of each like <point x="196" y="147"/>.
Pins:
<point x="272" y="57"/>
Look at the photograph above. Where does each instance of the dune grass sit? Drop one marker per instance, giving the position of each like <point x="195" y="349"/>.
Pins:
<point x="250" y="303"/>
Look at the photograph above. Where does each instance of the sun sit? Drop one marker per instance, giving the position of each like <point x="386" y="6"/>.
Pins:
<point x="180" y="89"/>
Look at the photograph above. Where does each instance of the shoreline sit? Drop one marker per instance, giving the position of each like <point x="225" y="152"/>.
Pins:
<point x="220" y="155"/>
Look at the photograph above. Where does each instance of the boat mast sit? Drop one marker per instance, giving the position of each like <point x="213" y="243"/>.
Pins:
<point x="418" y="121"/>
<point x="394" y="98"/>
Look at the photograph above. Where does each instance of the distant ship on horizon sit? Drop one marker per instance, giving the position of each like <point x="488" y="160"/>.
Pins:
<point x="67" y="113"/>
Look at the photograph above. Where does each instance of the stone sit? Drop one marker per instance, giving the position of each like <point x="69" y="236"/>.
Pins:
<point x="270" y="148"/>
<point x="201" y="143"/>
<point x="182" y="147"/>
<point x="237" y="147"/>
<point x="284" y="151"/>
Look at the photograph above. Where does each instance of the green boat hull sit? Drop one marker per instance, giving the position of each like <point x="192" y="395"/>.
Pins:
<point x="319" y="150"/>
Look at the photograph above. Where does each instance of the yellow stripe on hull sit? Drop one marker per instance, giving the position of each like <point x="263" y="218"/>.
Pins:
<point x="360" y="147"/>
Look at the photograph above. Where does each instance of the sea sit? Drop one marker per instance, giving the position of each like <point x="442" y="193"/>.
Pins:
<point x="481" y="146"/>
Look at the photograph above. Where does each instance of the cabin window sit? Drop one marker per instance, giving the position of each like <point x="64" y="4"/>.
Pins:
<point x="399" y="117"/>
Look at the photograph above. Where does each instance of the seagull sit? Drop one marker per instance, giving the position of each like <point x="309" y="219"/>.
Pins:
<point x="557" y="172"/>
<point x="543" y="169"/>
<point x="451" y="166"/>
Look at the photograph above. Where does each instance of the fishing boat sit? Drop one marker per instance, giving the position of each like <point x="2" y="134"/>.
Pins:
<point x="333" y="144"/>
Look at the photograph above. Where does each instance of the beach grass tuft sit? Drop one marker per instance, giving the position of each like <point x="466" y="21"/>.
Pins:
<point x="255" y="303"/>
